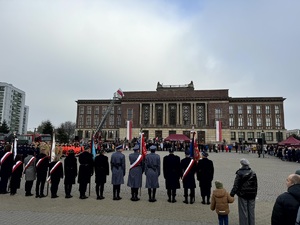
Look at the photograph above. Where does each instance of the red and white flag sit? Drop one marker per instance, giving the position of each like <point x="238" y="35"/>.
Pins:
<point x="53" y="148"/>
<point x="120" y="93"/>
<point x="219" y="131"/>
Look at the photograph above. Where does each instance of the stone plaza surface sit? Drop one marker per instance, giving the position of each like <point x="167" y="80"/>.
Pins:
<point x="271" y="173"/>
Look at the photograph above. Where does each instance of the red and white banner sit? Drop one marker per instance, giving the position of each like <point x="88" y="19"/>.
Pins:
<point x="53" y="148"/>
<point x="129" y="130"/>
<point x="120" y="93"/>
<point x="5" y="157"/>
<point x="53" y="169"/>
<point x="40" y="161"/>
<point x="188" y="169"/>
<point x="137" y="162"/>
<point x="219" y="131"/>
<point x="29" y="163"/>
<point x="143" y="148"/>
<point x="19" y="163"/>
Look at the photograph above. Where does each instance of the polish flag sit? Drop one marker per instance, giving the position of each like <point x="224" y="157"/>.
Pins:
<point x="120" y="93"/>
<point x="218" y="131"/>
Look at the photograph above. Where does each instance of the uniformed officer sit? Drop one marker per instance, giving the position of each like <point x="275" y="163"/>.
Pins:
<point x="56" y="173"/>
<point x="30" y="172"/>
<point x="101" y="172"/>
<point x="172" y="173"/>
<point x="70" y="168"/>
<point x="188" y="177"/>
<point x="16" y="175"/>
<point x="152" y="172"/>
<point x="6" y="162"/>
<point x="41" y="166"/>
<point x="85" y="170"/>
<point x="135" y="172"/>
<point x="117" y="164"/>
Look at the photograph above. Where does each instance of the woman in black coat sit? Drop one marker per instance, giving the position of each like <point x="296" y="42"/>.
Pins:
<point x="70" y="167"/>
<point x="56" y="173"/>
<point x="101" y="171"/>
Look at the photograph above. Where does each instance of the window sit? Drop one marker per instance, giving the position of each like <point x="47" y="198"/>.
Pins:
<point x="146" y="114"/>
<point x="88" y="121"/>
<point x="80" y="120"/>
<point x="186" y="114"/>
<point x="250" y="136"/>
<point x="231" y="121"/>
<point x="268" y="121"/>
<point x="104" y="108"/>
<point x="258" y="109"/>
<point x="258" y="134"/>
<point x="249" y="109"/>
<point x="230" y="109"/>
<point x="111" y="120"/>
<point x="159" y="114"/>
<point x="129" y="114"/>
<point x="118" y="120"/>
<point x="218" y="114"/>
<point x="240" y="109"/>
<point x="112" y="111"/>
<point x="81" y="110"/>
<point x="96" y="121"/>
<point x="240" y="121"/>
<point x="269" y="136"/>
<point x="241" y="135"/>
<point x="200" y="115"/>
<point x="249" y="122"/>
<point x="110" y="134"/>
<point x="96" y="112"/>
<point x="268" y="111"/>
<point x="277" y="110"/>
<point x="172" y="114"/>
<point x="89" y="110"/>
<point x="232" y="136"/>
<point x="277" y="122"/>
<point x="258" y="122"/>
<point x="119" y="111"/>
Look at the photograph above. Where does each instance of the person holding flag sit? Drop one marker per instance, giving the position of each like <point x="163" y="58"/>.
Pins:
<point x="55" y="174"/>
<point x="6" y="163"/>
<point x="152" y="172"/>
<point x="135" y="172"/>
<point x="188" y="168"/>
<point x="30" y="172"/>
<point x="118" y="168"/>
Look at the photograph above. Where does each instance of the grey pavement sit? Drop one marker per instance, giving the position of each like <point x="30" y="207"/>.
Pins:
<point x="271" y="173"/>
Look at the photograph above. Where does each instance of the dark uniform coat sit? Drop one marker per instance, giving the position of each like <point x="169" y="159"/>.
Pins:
<point x="70" y="168"/>
<point x="57" y="174"/>
<point x="15" y="178"/>
<point x="189" y="179"/>
<point x="172" y="171"/>
<point x="135" y="174"/>
<point x="86" y="167"/>
<point x="42" y="168"/>
<point x="152" y="170"/>
<point x="117" y="164"/>
<point x="101" y="169"/>
<point x="205" y="175"/>
<point x="30" y="172"/>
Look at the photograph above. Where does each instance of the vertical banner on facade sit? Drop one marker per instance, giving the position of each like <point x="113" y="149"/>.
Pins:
<point x="218" y="131"/>
<point x="129" y="130"/>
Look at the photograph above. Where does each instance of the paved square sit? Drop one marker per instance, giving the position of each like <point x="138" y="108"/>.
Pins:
<point x="271" y="173"/>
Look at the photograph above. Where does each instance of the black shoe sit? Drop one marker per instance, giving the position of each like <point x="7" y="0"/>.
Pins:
<point x="186" y="202"/>
<point x="37" y="196"/>
<point x="208" y="203"/>
<point x="42" y="196"/>
<point x="98" y="197"/>
<point x="115" y="198"/>
<point x="29" y="194"/>
<point x="83" y="197"/>
<point x="119" y="198"/>
<point x="132" y="199"/>
<point x="137" y="199"/>
<point x="154" y="200"/>
<point x="203" y="202"/>
<point x="174" y="200"/>
<point x="68" y="196"/>
<point x="169" y="200"/>
<point x="150" y="200"/>
<point x="101" y="197"/>
<point x="54" y="196"/>
<point x="12" y="193"/>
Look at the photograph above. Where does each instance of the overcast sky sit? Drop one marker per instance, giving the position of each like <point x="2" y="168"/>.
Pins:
<point x="61" y="51"/>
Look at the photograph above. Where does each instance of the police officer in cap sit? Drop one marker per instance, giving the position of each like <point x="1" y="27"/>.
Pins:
<point x="152" y="172"/>
<point x="85" y="170"/>
<point x="135" y="172"/>
<point x="118" y="167"/>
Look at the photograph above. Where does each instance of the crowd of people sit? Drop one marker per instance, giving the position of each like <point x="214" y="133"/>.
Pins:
<point x="40" y="168"/>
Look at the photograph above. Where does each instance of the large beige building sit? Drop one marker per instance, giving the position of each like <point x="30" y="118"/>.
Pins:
<point x="177" y="108"/>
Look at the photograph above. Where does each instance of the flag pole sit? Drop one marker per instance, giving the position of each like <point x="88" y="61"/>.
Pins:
<point x="52" y="143"/>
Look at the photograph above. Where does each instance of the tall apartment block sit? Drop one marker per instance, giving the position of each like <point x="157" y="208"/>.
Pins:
<point x="12" y="108"/>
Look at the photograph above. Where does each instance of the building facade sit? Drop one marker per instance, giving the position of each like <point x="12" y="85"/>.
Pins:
<point x="12" y="108"/>
<point x="177" y="109"/>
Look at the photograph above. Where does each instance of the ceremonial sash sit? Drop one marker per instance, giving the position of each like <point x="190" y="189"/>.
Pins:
<point x="5" y="157"/>
<point x="19" y="163"/>
<point x="53" y="169"/>
<point x="188" y="169"/>
<point x="29" y="163"/>
<point x="40" y="161"/>
<point x="137" y="162"/>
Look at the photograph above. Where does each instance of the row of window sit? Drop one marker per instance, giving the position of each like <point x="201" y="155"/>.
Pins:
<point x="97" y="110"/>
<point x="258" y="122"/>
<point x="258" y="109"/>
<point x="250" y="136"/>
